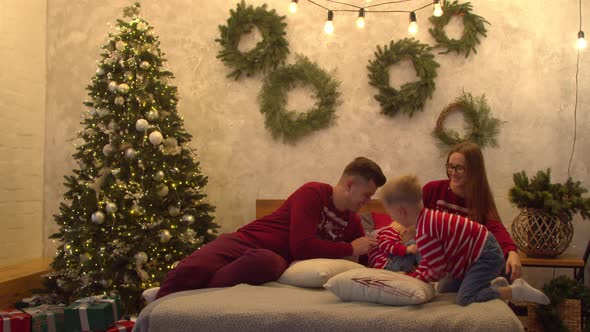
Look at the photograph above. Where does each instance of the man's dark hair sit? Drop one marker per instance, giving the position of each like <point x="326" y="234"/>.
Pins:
<point x="367" y="169"/>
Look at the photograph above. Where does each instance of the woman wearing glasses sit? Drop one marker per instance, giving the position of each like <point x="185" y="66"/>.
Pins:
<point x="467" y="192"/>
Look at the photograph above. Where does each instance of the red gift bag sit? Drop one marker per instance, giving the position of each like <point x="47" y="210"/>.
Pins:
<point x="14" y="321"/>
<point x="122" y="325"/>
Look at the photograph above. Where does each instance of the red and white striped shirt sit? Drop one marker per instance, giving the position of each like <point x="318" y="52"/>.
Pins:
<point x="389" y="241"/>
<point x="448" y="243"/>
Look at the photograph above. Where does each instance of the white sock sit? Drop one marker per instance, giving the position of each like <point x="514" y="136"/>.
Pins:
<point x="499" y="282"/>
<point x="523" y="292"/>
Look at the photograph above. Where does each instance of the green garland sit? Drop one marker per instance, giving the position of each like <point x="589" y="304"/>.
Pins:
<point x="291" y="125"/>
<point x="557" y="290"/>
<point x="411" y="96"/>
<point x="268" y="53"/>
<point x="480" y="127"/>
<point x="473" y="27"/>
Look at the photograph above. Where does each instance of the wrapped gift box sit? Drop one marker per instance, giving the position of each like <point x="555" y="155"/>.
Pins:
<point x="14" y="321"/>
<point x="92" y="314"/>
<point x="122" y="326"/>
<point x="46" y="317"/>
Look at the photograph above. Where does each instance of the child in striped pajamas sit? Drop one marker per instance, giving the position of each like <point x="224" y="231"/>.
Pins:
<point x="396" y="249"/>
<point x="454" y="245"/>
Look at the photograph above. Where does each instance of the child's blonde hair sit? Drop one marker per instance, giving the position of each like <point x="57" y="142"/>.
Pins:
<point x="404" y="189"/>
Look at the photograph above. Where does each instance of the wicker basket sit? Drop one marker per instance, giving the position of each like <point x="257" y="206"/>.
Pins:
<point x="540" y="234"/>
<point x="570" y="312"/>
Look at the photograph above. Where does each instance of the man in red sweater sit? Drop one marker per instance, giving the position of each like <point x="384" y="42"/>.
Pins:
<point x="450" y="244"/>
<point x="317" y="221"/>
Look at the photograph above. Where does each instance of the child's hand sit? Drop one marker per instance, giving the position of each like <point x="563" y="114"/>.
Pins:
<point x="412" y="249"/>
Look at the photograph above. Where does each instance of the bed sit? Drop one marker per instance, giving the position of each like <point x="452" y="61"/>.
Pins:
<point x="279" y="307"/>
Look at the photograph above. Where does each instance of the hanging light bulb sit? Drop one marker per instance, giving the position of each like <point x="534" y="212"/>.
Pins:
<point x="413" y="28"/>
<point x="329" y="25"/>
<point x="293" y="6"/>
<point x="581" y="40"/>
<point x="437" y="9"/>
<point x="360" y="21"/>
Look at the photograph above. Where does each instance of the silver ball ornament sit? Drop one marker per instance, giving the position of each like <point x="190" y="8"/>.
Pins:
<point x="107" y="150"/>
<point x="153" y="115"/>
<point x="159" y="176"/>
<point x="111" y="207"/>
<point x="119" y="100"/>
<point x="123" y="88"/>
<point x="162" y="190"/>
<point x="173" y="210"/>
<point x="164" y="235"/>
<point x="97" y="217"/>
<point x="168" y="257"/>
<point x="100" y="71"/>
<point x="130" y="153"/>
<point x="141" y="125"/>
<point x="141" y="258"/>
<point x="156" y="137"/>
<point x="105" y="283"/>
<point x="144" y="65"/>
<point x="170" y="142"/>
<point x="188" y="218"/>
<point x="113" y="86"/>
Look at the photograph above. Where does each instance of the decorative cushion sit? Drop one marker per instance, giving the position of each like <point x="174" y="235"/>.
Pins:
<point x="379" y="286"/>
<point x="149" y="295"/>
<point x="372" y="221"/>
<point x="313" y="273"/>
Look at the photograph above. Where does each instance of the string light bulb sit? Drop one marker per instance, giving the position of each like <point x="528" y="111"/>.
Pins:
<point x="293" y="6"/>
<point x="581" y="40"/>
<point x="413" y="28"/>
<point x="360" y="21"/>
<point x="329" y="25"/>
<point x="437" y="9"/>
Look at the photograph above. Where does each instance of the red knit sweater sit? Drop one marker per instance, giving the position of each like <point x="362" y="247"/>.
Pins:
<point x="437" y="195"/>
<point x="306" y="226"/>
<point x="448" y="243"/>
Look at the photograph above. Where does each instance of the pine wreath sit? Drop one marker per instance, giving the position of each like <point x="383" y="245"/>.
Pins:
<point x="412" y="95"/>
<point x="291" y="125"/>
<point x="480" y="127"/>
<point x="268" y="53"/>
<point x="473" y="27"/>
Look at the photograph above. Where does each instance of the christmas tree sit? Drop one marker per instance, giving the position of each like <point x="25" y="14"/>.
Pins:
<point x="135" y="206"/>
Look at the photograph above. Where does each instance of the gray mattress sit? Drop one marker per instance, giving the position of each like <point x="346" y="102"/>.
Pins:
<point x="278" y="307"/>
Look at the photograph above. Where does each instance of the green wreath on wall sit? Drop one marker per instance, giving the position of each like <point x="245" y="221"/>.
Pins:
<point x="480" y="127"/>
<point x="268" y="53"/>
<point x="473" y="27"/>
<point x="290" y="126"/>
<point x="411" y="96"/>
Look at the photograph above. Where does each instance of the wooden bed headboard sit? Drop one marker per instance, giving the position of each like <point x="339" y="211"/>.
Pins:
<point x="267" y="206"/>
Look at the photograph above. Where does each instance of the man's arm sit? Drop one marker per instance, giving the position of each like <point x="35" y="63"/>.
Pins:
<point x="306" y="213"/>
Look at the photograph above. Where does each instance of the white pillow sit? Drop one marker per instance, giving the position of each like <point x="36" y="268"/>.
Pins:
<point x="379" y="286"/>
<point x="150" y="294"/>
<point x="313" y="273"/>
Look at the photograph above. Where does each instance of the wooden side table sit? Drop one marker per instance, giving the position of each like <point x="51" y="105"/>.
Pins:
<point x="565" y="261"/>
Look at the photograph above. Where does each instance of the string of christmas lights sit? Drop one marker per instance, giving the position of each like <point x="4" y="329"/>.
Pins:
<point x="363" y="10"/>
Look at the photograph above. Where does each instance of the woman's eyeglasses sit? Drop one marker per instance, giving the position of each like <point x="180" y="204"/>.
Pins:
<point x="457" y="168"/>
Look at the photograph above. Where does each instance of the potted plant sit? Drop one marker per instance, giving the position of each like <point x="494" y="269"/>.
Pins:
<point x="543" y="228"/>
<point x="569" y="309"/>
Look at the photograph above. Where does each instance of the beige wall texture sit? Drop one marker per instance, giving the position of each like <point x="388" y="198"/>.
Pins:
<point x="526" y="67"/>
<point x="22" y="137"/>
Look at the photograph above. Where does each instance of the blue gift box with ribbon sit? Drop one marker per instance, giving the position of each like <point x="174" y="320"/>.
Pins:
<point x="94" y="313"/>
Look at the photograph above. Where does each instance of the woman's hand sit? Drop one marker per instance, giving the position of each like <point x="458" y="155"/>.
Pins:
<point x="513" y="265"/>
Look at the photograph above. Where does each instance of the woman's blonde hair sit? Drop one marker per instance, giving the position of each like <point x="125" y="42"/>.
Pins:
<point x="404" y="189"/>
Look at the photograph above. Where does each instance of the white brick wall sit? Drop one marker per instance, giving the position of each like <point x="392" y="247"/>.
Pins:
<point x="22" y="131"/>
